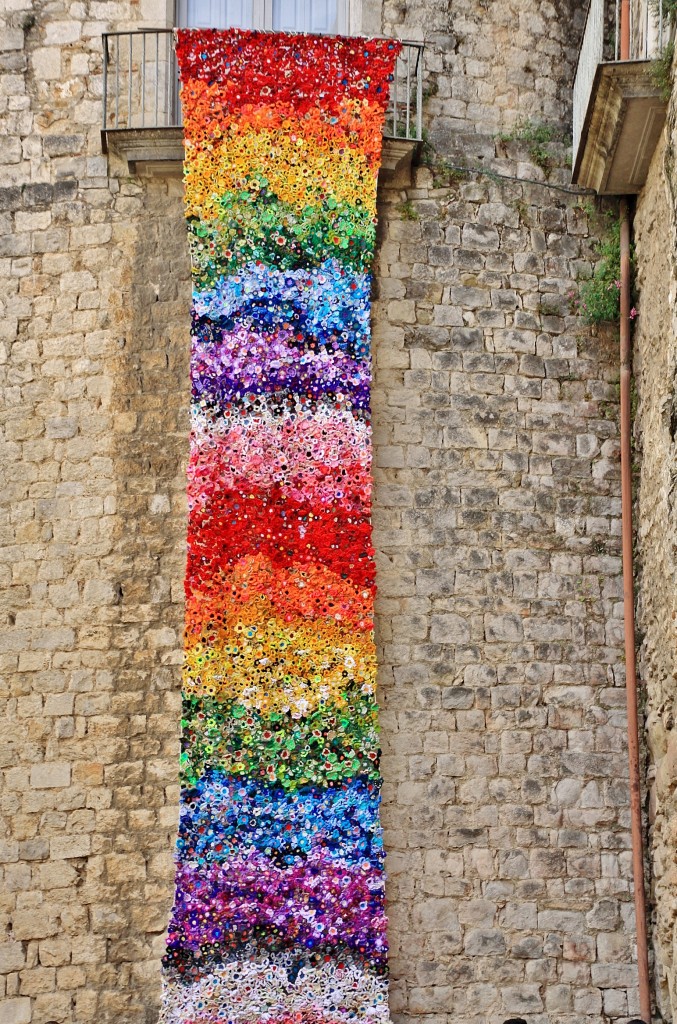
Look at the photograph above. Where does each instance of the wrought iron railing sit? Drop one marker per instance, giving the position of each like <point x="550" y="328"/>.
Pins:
<point x="141" y="85"/>
<point x="649" y="33"/>
<point x="140" y="80"/>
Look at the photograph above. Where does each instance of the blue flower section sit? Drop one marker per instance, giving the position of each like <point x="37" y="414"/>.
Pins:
<point x="222" y="816"/>
<point x="329" y="303"/>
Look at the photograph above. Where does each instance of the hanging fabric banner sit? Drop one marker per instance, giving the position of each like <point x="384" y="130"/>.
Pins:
<point x="278" y="914"/>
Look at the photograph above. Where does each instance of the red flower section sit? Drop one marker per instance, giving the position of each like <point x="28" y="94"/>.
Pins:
<point x="257" y="67"/>
<point x="265" y="522"/>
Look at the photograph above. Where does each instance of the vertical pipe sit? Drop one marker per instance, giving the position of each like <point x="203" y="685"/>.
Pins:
<point x="117" y="82"/>
<point x="406" y="129"/>
<point x="625" y="29"/>
<point x="105" y="82"/>
<point x="419" y="94"/>
<point x="617" y="37"/>
<point x="660" y="27"/>
<point x="633" y="19"/>
<point x="157" y="77"/>
<point x="129" y="82"/>
<point x="646" y="34"/>
<point x="629" y="627"/>
<point x="169" y="89"/>
<point x="143" y="80"/>
<point x="395" y="98"/>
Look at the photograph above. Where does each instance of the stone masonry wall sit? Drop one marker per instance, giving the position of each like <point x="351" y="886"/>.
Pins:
<point x="496" y="524"/>
<point x="655" y="368"/>
<point x="497" y="527"/>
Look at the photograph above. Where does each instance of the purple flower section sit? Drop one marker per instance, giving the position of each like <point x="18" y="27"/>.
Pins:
<point x="241" y="361"/>
<point x="320" y="903"/>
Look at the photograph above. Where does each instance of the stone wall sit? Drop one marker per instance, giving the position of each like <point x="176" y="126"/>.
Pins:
<point x="496" y="524"/>
<point x="93" y="551"/>
<point x="655" y="367"/>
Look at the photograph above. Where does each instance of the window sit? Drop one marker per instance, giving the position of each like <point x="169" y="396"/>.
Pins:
<point x="279" y="15"/>
<point x="216" y="13"/>
<point x="307" y="16"/>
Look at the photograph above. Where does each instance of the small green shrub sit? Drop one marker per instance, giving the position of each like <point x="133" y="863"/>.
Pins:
<point x="536" y="135"/>
<point x="600" y="297"/>
<point x="431" y="89"/>
<point x="660" y="71"/>
<point x="445" y="174"/>
<point x="667" y="7"/>
<point x="529" y="131"/>
<point x="408" y="211"/>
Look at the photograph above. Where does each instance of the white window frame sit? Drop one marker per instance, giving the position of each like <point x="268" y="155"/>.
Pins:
<point x="349" y="15"/>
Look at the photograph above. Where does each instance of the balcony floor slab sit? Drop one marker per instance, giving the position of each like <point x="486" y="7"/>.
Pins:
<point x="624" y="121"/>
<point x="159" y="152"/>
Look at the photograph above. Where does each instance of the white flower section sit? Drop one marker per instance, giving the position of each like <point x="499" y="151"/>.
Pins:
<point x="254" y="991"/>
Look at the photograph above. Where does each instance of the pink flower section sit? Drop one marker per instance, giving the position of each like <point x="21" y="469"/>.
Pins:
<point x="321" y="459"/>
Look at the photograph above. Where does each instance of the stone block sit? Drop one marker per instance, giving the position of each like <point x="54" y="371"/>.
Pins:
<point x="484" y="942"/>
<point x="503" y="627"/>
<point x="429" y="1000"/>
<point x="67" y="847"/>
<point x="34" y="923"/>
<point x="16" y="1011"/>
<point x="449" y="628"/>
<point x="619" y="976"/>
<point x="522" y="999"/>
<point x="37" y="980"/>
<point x="12" y="957"/>
<point x="46" y="63"/>
<point x="59" y="33"/>
<point x="438" y="915"/>
<point x="50" y="775"/>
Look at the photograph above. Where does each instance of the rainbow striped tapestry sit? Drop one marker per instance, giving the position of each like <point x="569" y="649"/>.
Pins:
<point x="278" y="914"/>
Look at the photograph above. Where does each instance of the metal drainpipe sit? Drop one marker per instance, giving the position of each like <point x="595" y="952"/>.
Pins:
<point x="625" y="29"/>
<point x="629" y="590"/>
<point x="629" y="618"/>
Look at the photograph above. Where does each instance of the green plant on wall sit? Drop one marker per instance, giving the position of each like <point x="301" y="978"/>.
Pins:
<point x="408" y="210"/>
<point x="666" y="8"/>
<point x="660" y="71"/>
<point x="536" y="136"/>
<point x="445" y="174"/>
<point x="599" y="300"/>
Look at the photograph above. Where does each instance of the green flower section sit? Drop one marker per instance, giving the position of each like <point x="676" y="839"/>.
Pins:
<point x="258" y="226"/>
<point x="330" y="745"/>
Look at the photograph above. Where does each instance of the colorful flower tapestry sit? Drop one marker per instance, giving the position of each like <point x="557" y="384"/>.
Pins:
<point x="278" y="914"/>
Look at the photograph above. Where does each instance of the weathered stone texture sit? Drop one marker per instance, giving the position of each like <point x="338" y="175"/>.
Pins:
<point x="655" y="366"/>
<point x="94" y="450"/>
<point x="496" y="522"/>
<point x="497" y="531"/>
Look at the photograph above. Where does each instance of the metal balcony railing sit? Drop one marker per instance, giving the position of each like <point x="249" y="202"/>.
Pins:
<point x="140" y="80"/>
<point x="141" y="85"/>
<point x="649" y="32"/>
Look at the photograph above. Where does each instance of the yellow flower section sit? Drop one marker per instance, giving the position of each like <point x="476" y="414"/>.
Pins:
<point x="300" y="172"/>
<point x="271" y="665"/>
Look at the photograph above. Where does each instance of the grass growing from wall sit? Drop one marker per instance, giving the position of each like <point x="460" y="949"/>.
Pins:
<point x="666" y="7"/>
<point x="408" y="211"/>
<point x="599" y="300"/>
<point x="536" y="136"/>
<point x="661" y="73"/>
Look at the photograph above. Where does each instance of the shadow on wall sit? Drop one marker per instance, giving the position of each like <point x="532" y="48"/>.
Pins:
<point x="151" y="402"/>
